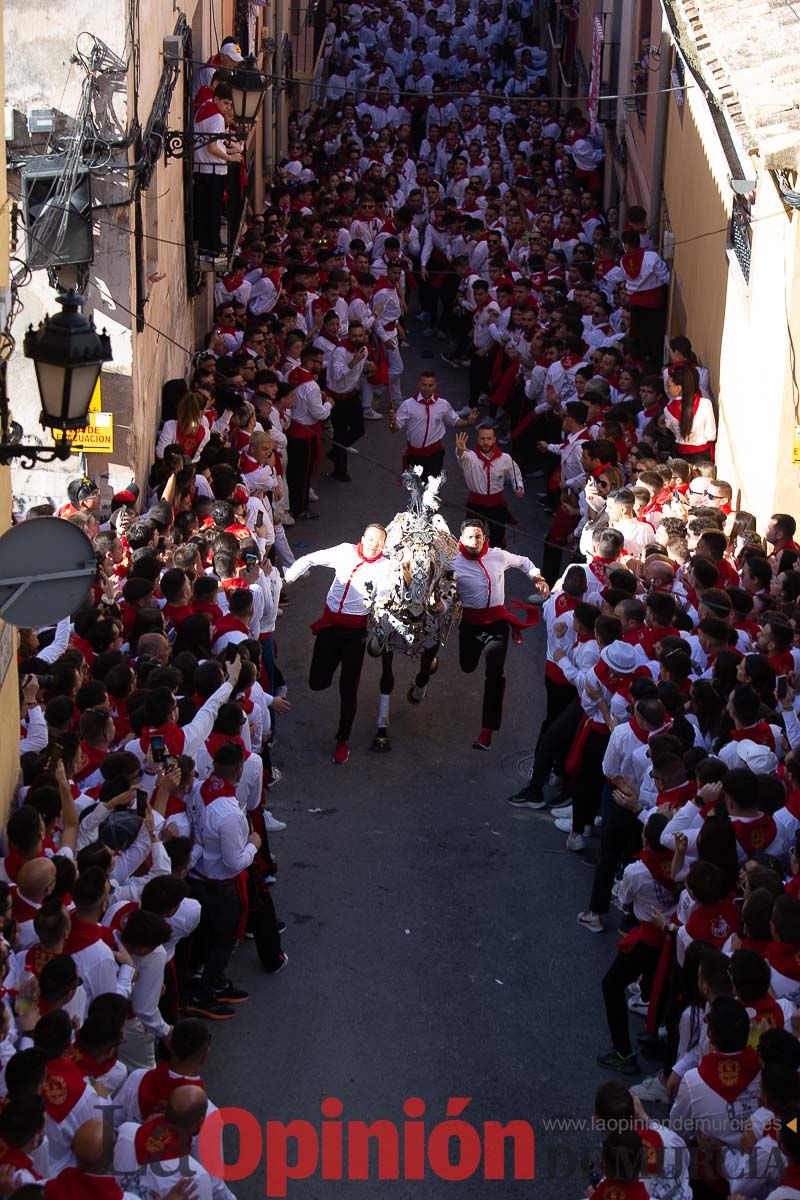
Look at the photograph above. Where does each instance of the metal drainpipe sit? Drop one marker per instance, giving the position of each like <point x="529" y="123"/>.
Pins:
<point x="660" y="140"/>
<point x="278" y="91"/>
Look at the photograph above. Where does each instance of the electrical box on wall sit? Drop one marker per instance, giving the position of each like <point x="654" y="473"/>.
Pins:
<point x="668" y="245"/>
<point x="41" y="120"/>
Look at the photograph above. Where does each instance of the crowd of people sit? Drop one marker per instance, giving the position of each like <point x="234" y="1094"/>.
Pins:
<point x="434" y="182"/>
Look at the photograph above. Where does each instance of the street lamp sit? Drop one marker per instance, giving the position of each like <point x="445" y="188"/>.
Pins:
<point x="68" y="354"/>
<point x="248" y="85"/>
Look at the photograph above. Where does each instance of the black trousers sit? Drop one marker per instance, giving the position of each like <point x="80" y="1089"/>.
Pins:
<point x="480" y="370"/>
<point x="559" y="697"/>
<point x="262" y="922"/>
<point x="625" y="969"/>
<point x="620" y="840"/>
<point x="348" y="426"/>
<point x="431" y="298"/>
<point x="491" y="641"/>
<point x="496" y="518"/>
<point x="302" y="453"/>
<point x="335" y="648"/>
<point x="219" y="921"/>
<point x="554" y="743"/>
<point x="647" y="329"/>
<point x="587" y="789"/>
<point x="208" y="192"/>
<point x="432" y="464"/>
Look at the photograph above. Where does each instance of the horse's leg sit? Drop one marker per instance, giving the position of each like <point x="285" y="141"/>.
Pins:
<point x="381" y="740"/>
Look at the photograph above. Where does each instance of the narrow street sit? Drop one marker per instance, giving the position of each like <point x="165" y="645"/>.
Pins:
<point x="431" y="930"/>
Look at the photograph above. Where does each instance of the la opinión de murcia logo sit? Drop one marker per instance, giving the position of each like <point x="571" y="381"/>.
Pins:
<point x="337" y="1149"/>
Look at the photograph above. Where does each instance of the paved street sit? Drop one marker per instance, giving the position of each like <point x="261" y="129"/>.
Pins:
<point x="431" y="930"/>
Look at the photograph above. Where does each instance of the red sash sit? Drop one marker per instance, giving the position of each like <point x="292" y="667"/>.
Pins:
<point x="339" y="620"/>
<point x="729" y="1074"/>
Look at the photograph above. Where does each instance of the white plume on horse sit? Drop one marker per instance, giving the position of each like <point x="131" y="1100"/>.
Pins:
<point x="419" y="606"/>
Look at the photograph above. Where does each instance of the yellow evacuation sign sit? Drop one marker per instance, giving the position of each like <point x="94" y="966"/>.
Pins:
<point x="98" y="436"/>
<point x="796" y="445"/>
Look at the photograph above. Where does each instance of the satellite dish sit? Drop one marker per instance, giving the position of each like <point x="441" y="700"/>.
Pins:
<point x="46" y="569"/>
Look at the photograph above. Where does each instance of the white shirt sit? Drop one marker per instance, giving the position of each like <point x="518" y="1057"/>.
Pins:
<point x="343" y="378"/>
<point x="348" y="593"/>
<point x="697" y="1102"/>
<point x="489" y="478"/>
<point x="308" y="406"/>
<point x="425" y="423"/>
<point x="220" y="829"/>
<point x="481" y="581"/>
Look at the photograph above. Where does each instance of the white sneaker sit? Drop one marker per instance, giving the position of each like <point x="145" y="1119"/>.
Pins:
<point x="576" y="842"/>
<point x="563" y="825"/>
<point x="369" y="414"/>
<point x="287" y="519"/>
<point x="312" y="495"/>
<point x="591" y="921"/>
<point x="277" y="775"/>
<point x="598" y="821"/>
<point x="422" y="316"/>
<point x="651" y="1089"/>
<point x="271" y="824"/>
<point x="564" y="811"/>
<point x="633" y="989"/>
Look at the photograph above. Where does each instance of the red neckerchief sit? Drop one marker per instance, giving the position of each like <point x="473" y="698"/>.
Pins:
<point x="610" y="1189"/>
<point x="36" y="958"/>
<point x="565" y="603"/>
<point x="761" y="734"/>
<point x="22" y="909"/>
<point x="62" y="1088"/>
<point x="465" y="550"/>
<point x="767" y="1009"/>
<point x="89" y="1067"/>
<point x="240" y="532"/>
<point x="674" y="406"/>
<point x="635" y="637"/>
<point x="300" y="375"/>
<point x="12" y="1156"/>
<point x="189" y="442"/>
<point x="790" y="1178"/>
<point x="782" y="664"/>
<point x="215" y="740"/>
<point x="94" y="756"/>
<point x="729" y="1074"/>
<point x="755" y="836"/>
<point x="228" y="584"/>
<point x="157" y="1140"/>
<point x="229" y="624"/>
<point x="793" y="804"/>
<point x="14" y="860"/>
<point x="784" y="957"/>
<point x="157" y="1085"/>
<point x="179" y="614"/>
<point x="676" y="797"/>
<point x="598" y="566"/>
<point x="173" y="735"/>
<point x="83" y="934"/>
<point x="637" y="731"/>
<point x="653" y="1146"/>
<point x="714" y="922"/>
<point x="620" y="684"/>
<point x="632" y="263"/>
<point x="214" y="787"/>
<point x="420" y="399"/>
<point x="74" y="1184"/>
<point x="659" y="864"/>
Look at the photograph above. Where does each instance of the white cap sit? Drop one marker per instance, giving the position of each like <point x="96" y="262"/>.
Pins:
<point x="760" y="759"/>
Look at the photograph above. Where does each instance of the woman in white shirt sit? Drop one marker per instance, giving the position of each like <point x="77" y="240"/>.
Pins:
<point x="689" y="417"/>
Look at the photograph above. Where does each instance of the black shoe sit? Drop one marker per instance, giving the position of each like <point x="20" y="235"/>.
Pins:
<point x="340" y="478"/>
<point x="229" y="994"/>
<point x="654" y="1048"/>
<point x="211" y="1008"/>
<point x="380" y="743"/>
<point x="281" y="927"/>
<point x="526" y="799"/>
<point x="624" y="1064"/>
<point x="281" y="964"/>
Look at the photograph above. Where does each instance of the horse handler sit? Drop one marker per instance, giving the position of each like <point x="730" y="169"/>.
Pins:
<point x="485" y="620"/>
<point x="341" y="631"/>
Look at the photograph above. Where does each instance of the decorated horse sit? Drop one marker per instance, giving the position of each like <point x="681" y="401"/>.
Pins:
<point x="417" y="610"/>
